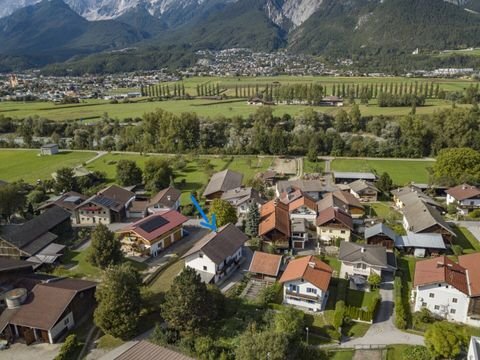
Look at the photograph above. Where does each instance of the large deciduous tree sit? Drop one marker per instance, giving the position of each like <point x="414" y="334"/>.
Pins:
<point x="224" y="212"/>
<point x="128" y="173"/>
<point x="12" y="199"/>
<point x="445" y="340"/>
<point x="65" y="180"/>
<point x="105" y="248"/>
<point x="119" y="301"/>
<point x="385" y="183"/>
<point x="157" y="174"/>
<point x="457" y="165"/>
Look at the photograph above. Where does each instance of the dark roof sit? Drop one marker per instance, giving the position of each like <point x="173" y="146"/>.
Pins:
<point x="217" y="246"/>
<point x="421" y="216"/>
<point x="144" y="350"/>
<point x="463" y="192"/>
<point x="115" y="194"/>
<point x="223" y="181"/>
<point x="166" y="197"/>
<point x="34" y="235"/>
<point x="68" y="201"/>
<point x="334" y="216"/>
<point x="370" y="254"/>
<point x="71" y="284"/>
<point x="7" y="264"/>
<point x="380" y="229"/>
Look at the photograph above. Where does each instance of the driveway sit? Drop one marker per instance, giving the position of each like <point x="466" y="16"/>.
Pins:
<point x="238" y="274"/>
<point x="472" y="226"/>
<point x="39" y="351"/>
<point x="383" y="330"/>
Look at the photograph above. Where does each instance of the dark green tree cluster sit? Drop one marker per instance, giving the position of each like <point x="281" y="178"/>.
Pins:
<point x="390" y="100"/>
<point x="311" y="94"/>
<point x="164" y="91"/>
<point x="12" y="200"/>
<point x="225" y="212"/>
<point x="457" y="165"/>
<point x="208" y="89"/>
<point x="128" y="173"/>
<point x="105" y="249"/>
<point x="158" y="174"/>
<point x="252" y="221"/>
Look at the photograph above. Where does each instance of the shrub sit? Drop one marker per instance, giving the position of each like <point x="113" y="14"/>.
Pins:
<point x="270" y="294"/>
<point x="68" y="348"/>
<point x="416" y="353"/>
<point x="457" y="250"/>
<point x="400" y="312"/>
<point x="342" y="289"/>
<point x="339" y="314"/>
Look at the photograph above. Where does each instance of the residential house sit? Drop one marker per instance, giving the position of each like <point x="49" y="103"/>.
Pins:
<point x="49" y="149"/>
<point x="420" y="217"/>
<point x="265" y="266"/>
<point x="465" y="197"/>
<point x="409" y="195"/>
<point x="144" y="350"/>
<point x="359" y="261"/>
<point x="217" y="254"/>
<point x="269" y="177"/>
<point x="342" y="200"/>
<point x="312" y="188"/>
<point x="420" y="244"/>
<point x="222" y="182"/>
<point x="48" y="312"/>
<point x="31" y="238"/>
<point x="166" y="199"/>
<point x="107" y="206"/>
<point x="300" y="206"/>
<point x="241" y="198"/>
<point x="448" y="289"/>
<point x="474" y="348"/>
<point x="332" y="224"/>
<point x="150" y="236"/>
<point x="381" y="234"/>
<point x="274" y="227"/>
<point x="364" y="191"/>
<point x="332" y="101"/>
<point x="11" y="268"/>
<point x="305" y="283"/>
<point x="349" y="177"/>
<point x="68" y="201"/>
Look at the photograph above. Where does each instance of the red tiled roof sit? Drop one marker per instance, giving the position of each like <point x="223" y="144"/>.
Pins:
<point x="441" y="270"/>
<point x="274" y="215"/>
<point x="471" y="262"/>
<point x="310" y="269"/>
<point x="464" y="191"/>
<point x="266" y="264"/>
<point x="173" y="219"/>
<point x="334" y="215"/>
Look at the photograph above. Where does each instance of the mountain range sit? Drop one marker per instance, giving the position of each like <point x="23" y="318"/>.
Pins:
<point x="42" y="32"/>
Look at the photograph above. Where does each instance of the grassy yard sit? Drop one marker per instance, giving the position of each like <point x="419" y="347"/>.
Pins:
<point x="401" y="171"/>
<point x="334" y="263"/>
<point x="29" y="166"/>
<point x="360" y="299"/>
<point x="108" y="342"/>
<point x="163" y="282"/>
<point x="383" y="210"/>
<point x="395" y="352"/>
<point x="466" y="240"/>
<point x="341" y="355"/>
<point x="313" y="167"/>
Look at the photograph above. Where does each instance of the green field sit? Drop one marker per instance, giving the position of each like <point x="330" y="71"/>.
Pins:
<point x="29" y="166"/>
<point x="401" y="171"/>
<point x="90" y="110"/>
<point x="194" y="175"/>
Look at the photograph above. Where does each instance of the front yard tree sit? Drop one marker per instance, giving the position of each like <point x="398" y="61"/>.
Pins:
<point x="259" y="345"/>
<point x="252" y="221"/>
<point x="374" y="280"/>
<point x="65" y="180"/>
<point x="128" y="173"/>
<point x="224" y="212"/>
<point x="12" y="199"/>
<point x="444" y="340"/>
<point x="105" y="248"/>
<point x="385" y="183"/>
<point x="157" y="174"/>
<point x="119" y="301"/>
<point x="186" y="307"/>
<point x="457" y="165"/>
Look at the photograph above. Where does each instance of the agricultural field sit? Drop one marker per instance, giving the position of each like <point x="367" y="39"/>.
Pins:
<point x="401" y="171"/>
<point x="193" y="177"/>
<point x="30" y="166"/>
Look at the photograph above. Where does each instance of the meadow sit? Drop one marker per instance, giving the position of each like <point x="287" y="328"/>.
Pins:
<point x="92" y="110"/>
<point x="401" y="171"/>
<point x="30" y="166"/>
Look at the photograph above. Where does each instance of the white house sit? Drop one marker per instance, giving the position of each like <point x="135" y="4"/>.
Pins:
<point x="466" y="197"/>
<point x="448" y="289"/>
<point x="217" y="254"/>
<point x="242" y="198"/>
<point x="49" y="149"/>
<point x="305" y="283"/>
<point x="333" y="223"/>
<point x="165" y="200"/>
<point x="474" y="349"/>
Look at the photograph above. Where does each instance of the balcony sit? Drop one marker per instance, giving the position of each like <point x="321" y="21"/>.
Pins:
<point x="302" y="296"/>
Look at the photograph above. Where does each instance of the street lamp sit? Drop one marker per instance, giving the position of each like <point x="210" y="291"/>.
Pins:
<point x="307" y="333"/>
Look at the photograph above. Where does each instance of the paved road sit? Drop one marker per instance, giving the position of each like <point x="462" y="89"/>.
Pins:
<point x="383" y="330"/>
<point x="472" y="226"/>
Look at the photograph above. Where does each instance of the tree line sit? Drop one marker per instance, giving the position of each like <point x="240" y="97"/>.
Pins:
<point x="159" y="91"/>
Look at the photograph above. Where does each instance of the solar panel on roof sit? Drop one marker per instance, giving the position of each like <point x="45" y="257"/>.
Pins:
<point x="72" y="199"/>
<point x="153" y="224"/>
<point x="105" y="201"/>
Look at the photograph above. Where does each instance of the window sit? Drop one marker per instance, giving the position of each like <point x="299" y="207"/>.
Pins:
<point x="293" y="287"/>
<point x="432" y="295"/>
<point x="424" y="304"/>
<point x="67" y="320"/>
<point x="342" y="231"/>
<point x="204" y="268"/>
<point x="437" y="307"/>
<point x="200" y="256"/>
<point x="453" y="311"/>
<point x="311" y="290"/>
<point x="455" y="300"/>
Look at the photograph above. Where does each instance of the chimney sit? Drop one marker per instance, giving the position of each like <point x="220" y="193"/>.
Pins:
<point x="311" y="264"/>
<point x="363" y="250"/>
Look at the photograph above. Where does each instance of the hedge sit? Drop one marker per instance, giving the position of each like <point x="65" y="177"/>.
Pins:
<point x="342" y="290"/>
<point x="400" y="313"/>
<point x="68" y="349"/>
<point x="358" y="314"/>
<point x="339" y="314"/>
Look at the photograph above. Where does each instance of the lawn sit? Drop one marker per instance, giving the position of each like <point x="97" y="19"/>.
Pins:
<point x="360" y="299"/>
<point x="401" y="171"/>
<point x="341" y="355"/>
<point x="313" y="167"/>
<point x="165" y="279"/>
<point x="383" y="210"/>
<point x="395" y="352"/>
<point x="193" y="177"/>
<point x="334" y="263"/>
<point x="108" y="342"/>
<point x="29" y="166"/>
<point x="466" y="240"/>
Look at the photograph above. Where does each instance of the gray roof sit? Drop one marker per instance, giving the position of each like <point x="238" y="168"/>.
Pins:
<point x="166" y="197"/>
<point x="370" y="254"/>
<point x="34" y="235"/>
<point x="49" y="146"/>
<point x="303" y="185"/>
<point x="421" y="216"/>
<point x="412" y="197"/>
<point x="240" y="195"/>
<point x="223" y="181"/>
<point x="427" y="241"/>
<point x="360" y="185"/>
<point x="217" y="246"/>
<point x="299" y="225"/>
<point x="379" y="229"/>
<point x="354" y="175"/>
<point x="7" y="264"/>
<point x="144" y="350"/>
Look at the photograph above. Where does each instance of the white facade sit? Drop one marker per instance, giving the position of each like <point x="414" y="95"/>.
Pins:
<point x="328" y="234"/>
<point x="463" y="206"/>
<point x="304" y="295"/>
<point x="474" y="349"/>
<point x="159" y="208"/>
<point x="201" y="262"/>
<point x="443" y="300"/>
<point x="304" y="212"/>
<point x="66" y="322"/>
<point x="93" y="217"/>
<point x="358" y="268"/>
